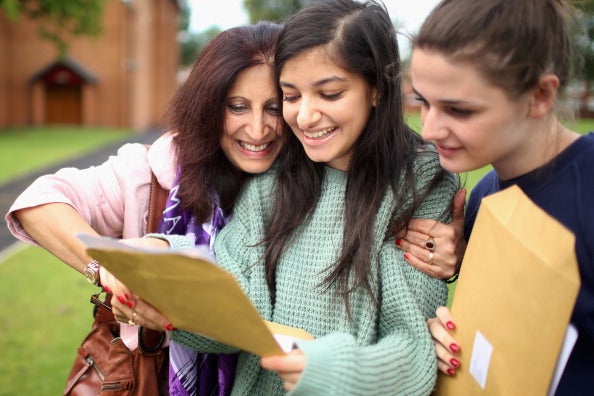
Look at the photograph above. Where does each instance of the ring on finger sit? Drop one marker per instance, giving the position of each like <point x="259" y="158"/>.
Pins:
<point x="430" y="244"/>
<point x="430" y="258"/>
<point x="132" y="322"/>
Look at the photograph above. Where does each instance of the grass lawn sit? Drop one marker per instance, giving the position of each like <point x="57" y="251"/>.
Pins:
<point x="45" y="316"/>
<point x="46" y="310"/>
<point x="23" y="150"/>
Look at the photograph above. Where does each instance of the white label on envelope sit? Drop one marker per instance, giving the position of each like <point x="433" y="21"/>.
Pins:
<point x="480" y="359"/>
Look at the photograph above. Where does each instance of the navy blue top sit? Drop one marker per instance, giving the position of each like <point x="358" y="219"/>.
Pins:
<point x="564" y="188"/>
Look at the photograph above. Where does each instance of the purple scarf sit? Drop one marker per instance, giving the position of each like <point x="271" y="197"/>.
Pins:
<point x="192" y="373"/>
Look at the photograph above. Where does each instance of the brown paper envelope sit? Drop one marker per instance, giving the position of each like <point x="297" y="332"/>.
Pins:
<point x="193" y="293"/>
<point x="515" y="294"/>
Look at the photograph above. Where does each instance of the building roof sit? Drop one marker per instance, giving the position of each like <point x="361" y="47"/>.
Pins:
<point x="70" y="64"/>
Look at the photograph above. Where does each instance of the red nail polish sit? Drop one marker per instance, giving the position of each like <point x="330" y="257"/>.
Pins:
<point x="130" y="304"/>
<point x="127" y="296"/>
<point x="454" y="347"/>
<point x="169" y="327"/>
<point x="107" y="289"/>
<point x="450" y="325"/>
<point x="455" y="362"/>
<point x="122" y="300"/>
<point x="406" y="256"/>
<point x="398" y="242"/>
<point x="451" y="371"/>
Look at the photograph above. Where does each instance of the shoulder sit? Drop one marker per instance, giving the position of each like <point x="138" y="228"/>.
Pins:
<point x="161" y="158"/>
<point x="426" y="168"/>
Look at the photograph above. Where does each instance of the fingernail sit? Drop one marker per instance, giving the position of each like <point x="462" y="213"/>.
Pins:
<point x="450" y="325"/>
<point x="451" y="371"/>
<point x="130" y="304"/>
<point x="454" y="347"/>
<point x="406" y="256"/>
<point x="107" y="289"/>
<point x="398" y="242"/>
<point x="127" y="296"/>
<point x="122" y="300"/>
<point x="169" y="327"/>
<point x="455" y="362"/>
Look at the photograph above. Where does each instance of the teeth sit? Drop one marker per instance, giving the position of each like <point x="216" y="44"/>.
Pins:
<point x="314" y="135"/>
<point x="252" y="147"/>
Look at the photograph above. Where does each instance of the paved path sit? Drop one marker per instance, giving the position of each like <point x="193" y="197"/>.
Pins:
<point x="10" y="190"/>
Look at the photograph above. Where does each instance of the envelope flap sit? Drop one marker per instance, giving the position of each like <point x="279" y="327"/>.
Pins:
<point x="537" y="231"/>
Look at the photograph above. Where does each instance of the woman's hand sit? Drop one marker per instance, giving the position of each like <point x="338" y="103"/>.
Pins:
<point x="127" y="307"/>
<point x="289" y="366"/>
<point x="445" y="345"/>
<point x="436" y="248"/>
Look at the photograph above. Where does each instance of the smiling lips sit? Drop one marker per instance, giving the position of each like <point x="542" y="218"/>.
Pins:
<point x="253" y="147"/>
<point x="447" y="151"/>
<point x="319" y="134"/>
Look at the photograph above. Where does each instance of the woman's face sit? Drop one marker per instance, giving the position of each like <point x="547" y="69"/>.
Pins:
<point x="326" y="106"/>
<point x="252" y="137"/>
<point x="473" y="122"/>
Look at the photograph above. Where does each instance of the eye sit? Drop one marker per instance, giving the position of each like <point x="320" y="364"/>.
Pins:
<point x="458" y="112"/>
<point x="333" y="96"/>
<point x="273" y="109"/>
<point x="421" y="100"/>
<point x="290" y="98"/>
<point x="237" y="108"/>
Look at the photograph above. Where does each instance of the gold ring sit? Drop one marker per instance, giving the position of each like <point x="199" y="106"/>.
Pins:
<point x="430" y="244"/>
<point x="132" y="322"/>
<point x="430" y="258"/>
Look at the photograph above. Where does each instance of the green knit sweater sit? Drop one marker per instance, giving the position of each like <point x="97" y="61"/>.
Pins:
<point x="385" y="349"/>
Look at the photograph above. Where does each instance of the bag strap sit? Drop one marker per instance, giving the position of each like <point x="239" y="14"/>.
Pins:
<point x="157" y="200"/>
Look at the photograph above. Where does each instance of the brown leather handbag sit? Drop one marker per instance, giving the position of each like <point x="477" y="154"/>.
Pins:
<point x="104" y="365"/>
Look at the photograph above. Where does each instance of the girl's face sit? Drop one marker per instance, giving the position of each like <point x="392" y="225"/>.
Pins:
<point x="473" y="122"/>
<point x="252" y="137"/>
<point x="326" y="106"/>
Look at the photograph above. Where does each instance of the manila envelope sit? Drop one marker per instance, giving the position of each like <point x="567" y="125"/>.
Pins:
<point x="194" y="293"/>
<point x="513" y="301"/>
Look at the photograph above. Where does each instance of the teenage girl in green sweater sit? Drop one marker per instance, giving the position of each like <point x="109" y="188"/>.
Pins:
<point x="311" y="242"/>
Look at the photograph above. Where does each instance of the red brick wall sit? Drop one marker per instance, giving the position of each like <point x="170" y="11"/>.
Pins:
<point x="134" y="62"/>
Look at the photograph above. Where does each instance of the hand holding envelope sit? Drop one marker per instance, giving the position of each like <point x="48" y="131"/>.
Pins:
<point x="514" y="298"/>
<point x="195" y="294"/>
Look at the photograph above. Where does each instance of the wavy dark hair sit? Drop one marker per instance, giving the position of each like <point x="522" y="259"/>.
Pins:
<point x="361" y="38"/>
<point x="197" y="114"/>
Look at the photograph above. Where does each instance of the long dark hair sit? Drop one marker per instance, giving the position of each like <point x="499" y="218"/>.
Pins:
<point x="362" y="39"/>
<point x="197" y="112"/>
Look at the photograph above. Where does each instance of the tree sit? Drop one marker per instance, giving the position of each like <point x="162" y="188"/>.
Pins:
<point x="272" y="10"/>
<point x="583" y="40"/>
<point x="59" y="19"/>
<point x="191" y="44"/>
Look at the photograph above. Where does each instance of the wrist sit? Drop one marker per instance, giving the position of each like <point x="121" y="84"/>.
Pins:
<point x="91" y="273"/>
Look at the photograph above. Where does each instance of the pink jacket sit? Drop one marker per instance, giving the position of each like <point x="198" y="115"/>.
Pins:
<point x="111" y="197"/>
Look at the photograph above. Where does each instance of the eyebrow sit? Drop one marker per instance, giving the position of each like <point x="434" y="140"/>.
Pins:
<point x="315" y="84"/>
<point x="444" y="101"/>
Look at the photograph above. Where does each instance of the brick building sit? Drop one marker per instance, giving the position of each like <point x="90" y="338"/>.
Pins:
<point x="124" y="78"/>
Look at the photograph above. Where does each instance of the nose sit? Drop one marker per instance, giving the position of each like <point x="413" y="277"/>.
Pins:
<point x="260" y="125"/>
<point x="308" y="114"/>
<point x="431" y="128"/>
